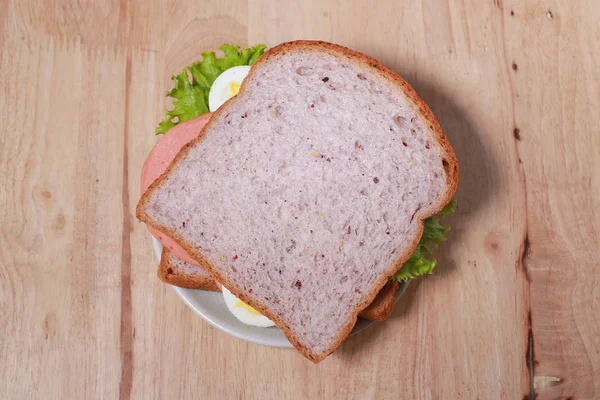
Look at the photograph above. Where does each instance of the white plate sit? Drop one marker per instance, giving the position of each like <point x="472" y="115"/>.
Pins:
<point x="211" y="307"/>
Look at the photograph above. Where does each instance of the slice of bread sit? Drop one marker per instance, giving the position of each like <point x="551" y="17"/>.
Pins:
<point x="307" y="190"/>
<point x="179" y="273"/>
<point x="383" y="305"/>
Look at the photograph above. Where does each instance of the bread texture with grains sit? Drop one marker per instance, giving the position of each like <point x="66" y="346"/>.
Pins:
<point x="308" y="189"/>
<point x="179" y="273"/>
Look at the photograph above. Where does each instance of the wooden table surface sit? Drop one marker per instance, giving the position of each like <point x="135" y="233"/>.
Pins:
<point x="513" y="310"/>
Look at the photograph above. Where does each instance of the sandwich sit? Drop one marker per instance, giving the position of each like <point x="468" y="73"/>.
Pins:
<point x="313" y="188"/>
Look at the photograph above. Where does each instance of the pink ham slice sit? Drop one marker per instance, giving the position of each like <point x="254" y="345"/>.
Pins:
<point x="159" y="159"/>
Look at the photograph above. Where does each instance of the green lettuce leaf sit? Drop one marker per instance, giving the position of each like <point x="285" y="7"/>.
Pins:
<point x="433" y="233"/>
<point x="192" y="85"/>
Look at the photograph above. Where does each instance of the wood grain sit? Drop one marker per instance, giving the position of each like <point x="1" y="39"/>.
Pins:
<point x="513" y="311"/>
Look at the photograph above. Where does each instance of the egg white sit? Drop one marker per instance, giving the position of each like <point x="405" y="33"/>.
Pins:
<point x="220" y="91"/>
<point x="237" y="308"/>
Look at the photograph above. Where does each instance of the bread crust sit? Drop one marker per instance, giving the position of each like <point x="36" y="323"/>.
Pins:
<point x="383" y="305"/>
<point x="422" y="110"/>
<point x="169" y="273"/>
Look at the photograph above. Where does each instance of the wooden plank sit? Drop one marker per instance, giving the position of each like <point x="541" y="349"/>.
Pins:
<point x="175" y="353"/>
<point x="62" y="129"/>
<point x="555" y="53"/>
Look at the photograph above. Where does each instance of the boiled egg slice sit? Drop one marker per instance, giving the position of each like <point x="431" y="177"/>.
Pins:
<point x="226" y="86"/>
<point x="244" y="312"/>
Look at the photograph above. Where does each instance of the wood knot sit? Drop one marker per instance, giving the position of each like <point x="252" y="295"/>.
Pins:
<point x="60" y="222"/>
<point x="517" y="134"/>
<point x="491" y="243"/>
